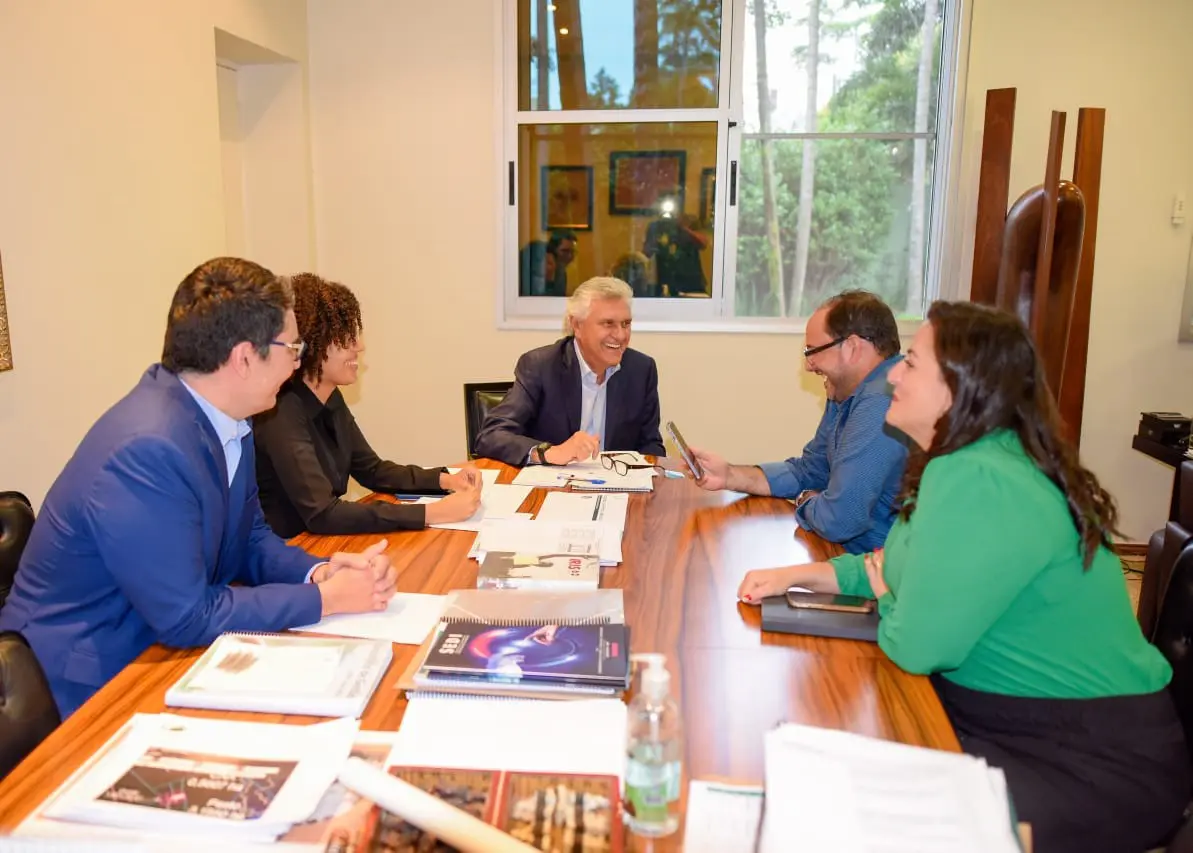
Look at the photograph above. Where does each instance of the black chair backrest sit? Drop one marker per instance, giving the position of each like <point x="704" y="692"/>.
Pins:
<point x="479" y="398"/>
<point x="16" y="523"/>
<point x="1174" y="638"/>
<point x="1163" y="551"/>
<point x="27" y="709"/>
<point x="1184" y="504"/>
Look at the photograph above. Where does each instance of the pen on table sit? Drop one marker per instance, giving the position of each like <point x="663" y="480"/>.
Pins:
<point x="585" y="480"/>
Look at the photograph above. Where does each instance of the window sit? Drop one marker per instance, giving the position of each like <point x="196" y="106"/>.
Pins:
<point x="735" y="161"/>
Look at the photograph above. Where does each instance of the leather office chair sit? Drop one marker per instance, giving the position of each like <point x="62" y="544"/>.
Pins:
<point x="1164" y="550"/>
<point x="27" y="710"/>
<point x="16" y="523"/>
<point x="1174" y="638"/>
<point x="479" y="398"/>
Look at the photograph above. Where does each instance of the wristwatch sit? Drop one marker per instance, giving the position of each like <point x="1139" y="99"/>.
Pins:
<point x="541" y="452"/>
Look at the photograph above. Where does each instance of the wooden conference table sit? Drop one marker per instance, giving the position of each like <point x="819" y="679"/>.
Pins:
<point x="685" y="551"/>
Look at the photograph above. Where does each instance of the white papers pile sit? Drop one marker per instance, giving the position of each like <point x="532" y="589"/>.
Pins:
<point x="408" y="618"/>
<point x="522" y="536"/>
<point x="585" y="736"/>
<point x="221" y="780"/>
<point x="497" y="501"/>
<point x="831" y="790"/>
<point x="592" y="475"/>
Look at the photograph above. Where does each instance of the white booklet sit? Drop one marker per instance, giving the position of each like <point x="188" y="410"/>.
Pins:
<point x="548" y="537"/>
<point x="219" y="779"/>
<point x="845" y="792"/>
<point x="284" y="674"/>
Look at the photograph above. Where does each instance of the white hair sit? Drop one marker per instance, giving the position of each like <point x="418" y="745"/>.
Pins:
<point x="601" y="287"/>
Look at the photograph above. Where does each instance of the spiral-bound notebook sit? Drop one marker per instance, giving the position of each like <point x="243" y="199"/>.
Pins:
<point x="516" y="608"/>
<point x="283" y="674"/>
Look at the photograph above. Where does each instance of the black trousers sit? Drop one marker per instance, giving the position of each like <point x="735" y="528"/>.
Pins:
<point x="1089" y="775"/>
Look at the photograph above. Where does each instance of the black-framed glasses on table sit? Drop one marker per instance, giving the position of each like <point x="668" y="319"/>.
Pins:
<point x="620" y="466"/>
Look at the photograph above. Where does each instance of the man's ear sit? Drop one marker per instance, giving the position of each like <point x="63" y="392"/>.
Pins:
<point x="242" y="357"/>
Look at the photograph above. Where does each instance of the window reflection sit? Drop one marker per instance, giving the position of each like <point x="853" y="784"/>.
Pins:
<point x="624" y="199"/>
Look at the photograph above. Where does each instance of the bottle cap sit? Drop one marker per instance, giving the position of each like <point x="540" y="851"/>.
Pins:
<point x="656" y="680"/>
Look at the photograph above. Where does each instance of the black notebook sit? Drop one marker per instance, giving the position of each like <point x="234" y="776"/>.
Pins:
<point x="578" y="654"/>
<point x="778" y="615"/>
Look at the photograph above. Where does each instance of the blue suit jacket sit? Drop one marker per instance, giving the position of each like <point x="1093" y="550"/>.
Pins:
<point x="544" y="405"/>
<point x="138" y="541"/>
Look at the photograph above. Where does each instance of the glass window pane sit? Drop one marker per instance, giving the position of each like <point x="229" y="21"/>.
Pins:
<point x="618" y="54"/>
<point x="632" y="200"/>
<point x="864" y="227"/>
<point x="873" y="72"/>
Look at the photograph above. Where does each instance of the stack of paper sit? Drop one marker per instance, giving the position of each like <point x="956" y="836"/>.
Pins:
<point x="216" y="779"/>
<point x="497" y="501"/>
<point x="592" y="474"/>
<point x="831" y="790"/>
<point x="524" y="536"/>
<point x="472" y="732"/>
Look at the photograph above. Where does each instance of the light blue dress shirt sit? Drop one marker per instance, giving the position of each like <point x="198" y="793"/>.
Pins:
<point x="230" y="431"/>
<point x="592" y="396"/>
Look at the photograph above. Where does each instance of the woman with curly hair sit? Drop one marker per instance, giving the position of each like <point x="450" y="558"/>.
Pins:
<point x="309" y="444"/>
<point x="998" y="580"/>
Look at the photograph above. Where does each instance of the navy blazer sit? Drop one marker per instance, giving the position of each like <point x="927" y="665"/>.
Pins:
<point x="544" y="405"/>
<point x="139" y="540"/>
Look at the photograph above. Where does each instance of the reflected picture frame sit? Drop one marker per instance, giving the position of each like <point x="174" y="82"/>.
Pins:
<point x="5" y="341"/>
<point x="639" y="180"/>
<point x="708" y="196"/>
<point x="566" y="198"/>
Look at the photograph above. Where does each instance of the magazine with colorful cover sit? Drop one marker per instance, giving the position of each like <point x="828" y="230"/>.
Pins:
<point x="514" y="570"/>
<point x="596" y="654"/>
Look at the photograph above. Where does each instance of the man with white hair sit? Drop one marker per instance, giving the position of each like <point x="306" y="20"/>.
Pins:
<point x="585" y="393"/>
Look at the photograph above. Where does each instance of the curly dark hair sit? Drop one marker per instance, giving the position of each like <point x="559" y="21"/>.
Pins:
<point x="861" y="313"/>
<point x="989" y="362"/>
<point x="327" y="313"/>
<point x="222" y="303"/>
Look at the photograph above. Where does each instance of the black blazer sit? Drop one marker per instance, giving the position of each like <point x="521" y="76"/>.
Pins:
<point x="544" y="405"/>
<point x="305" y="453"/>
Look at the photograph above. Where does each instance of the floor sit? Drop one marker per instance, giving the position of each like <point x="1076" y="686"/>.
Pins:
<point x="1133" y="575"/>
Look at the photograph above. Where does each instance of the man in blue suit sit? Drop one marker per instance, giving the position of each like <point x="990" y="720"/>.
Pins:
<point x="156" y="515"/>
<point x="585" y="393"/>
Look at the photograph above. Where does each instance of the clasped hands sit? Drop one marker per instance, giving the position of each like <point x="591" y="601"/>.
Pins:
<point x="356" y="583"/>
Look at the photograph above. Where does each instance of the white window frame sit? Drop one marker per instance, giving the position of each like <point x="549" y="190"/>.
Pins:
<point x="945" y="242"/>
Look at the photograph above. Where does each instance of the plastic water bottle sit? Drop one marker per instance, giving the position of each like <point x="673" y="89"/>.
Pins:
<point x="654" y="753"/>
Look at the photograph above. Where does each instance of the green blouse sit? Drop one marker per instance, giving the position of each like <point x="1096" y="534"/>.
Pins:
<point x="987" y="586"/>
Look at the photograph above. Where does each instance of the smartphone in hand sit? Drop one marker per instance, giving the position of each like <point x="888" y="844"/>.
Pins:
<point x="689" y="458"/>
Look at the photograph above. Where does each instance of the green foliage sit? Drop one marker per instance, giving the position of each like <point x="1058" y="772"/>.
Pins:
<point x="860" y="220"/>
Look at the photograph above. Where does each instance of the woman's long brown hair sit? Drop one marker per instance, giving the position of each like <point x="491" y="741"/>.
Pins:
<point x="989" y="362"/>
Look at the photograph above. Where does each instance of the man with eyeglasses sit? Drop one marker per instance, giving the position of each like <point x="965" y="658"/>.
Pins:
<point x="846" y="480"/>
<point x="156" y="516"/>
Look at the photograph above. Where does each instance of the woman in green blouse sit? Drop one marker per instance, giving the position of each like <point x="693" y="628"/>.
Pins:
<point x="997" y="580"/>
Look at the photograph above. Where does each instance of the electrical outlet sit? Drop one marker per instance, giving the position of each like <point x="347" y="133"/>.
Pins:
<point x="1178" y="209"/>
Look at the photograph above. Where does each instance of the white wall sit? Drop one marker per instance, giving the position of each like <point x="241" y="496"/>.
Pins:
<point x="1134" y="60"/>
<point x="404" y="123"/>
<point x="112" y="192"/>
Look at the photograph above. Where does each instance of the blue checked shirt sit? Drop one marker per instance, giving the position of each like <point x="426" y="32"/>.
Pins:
<point x="855" y="462"/>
